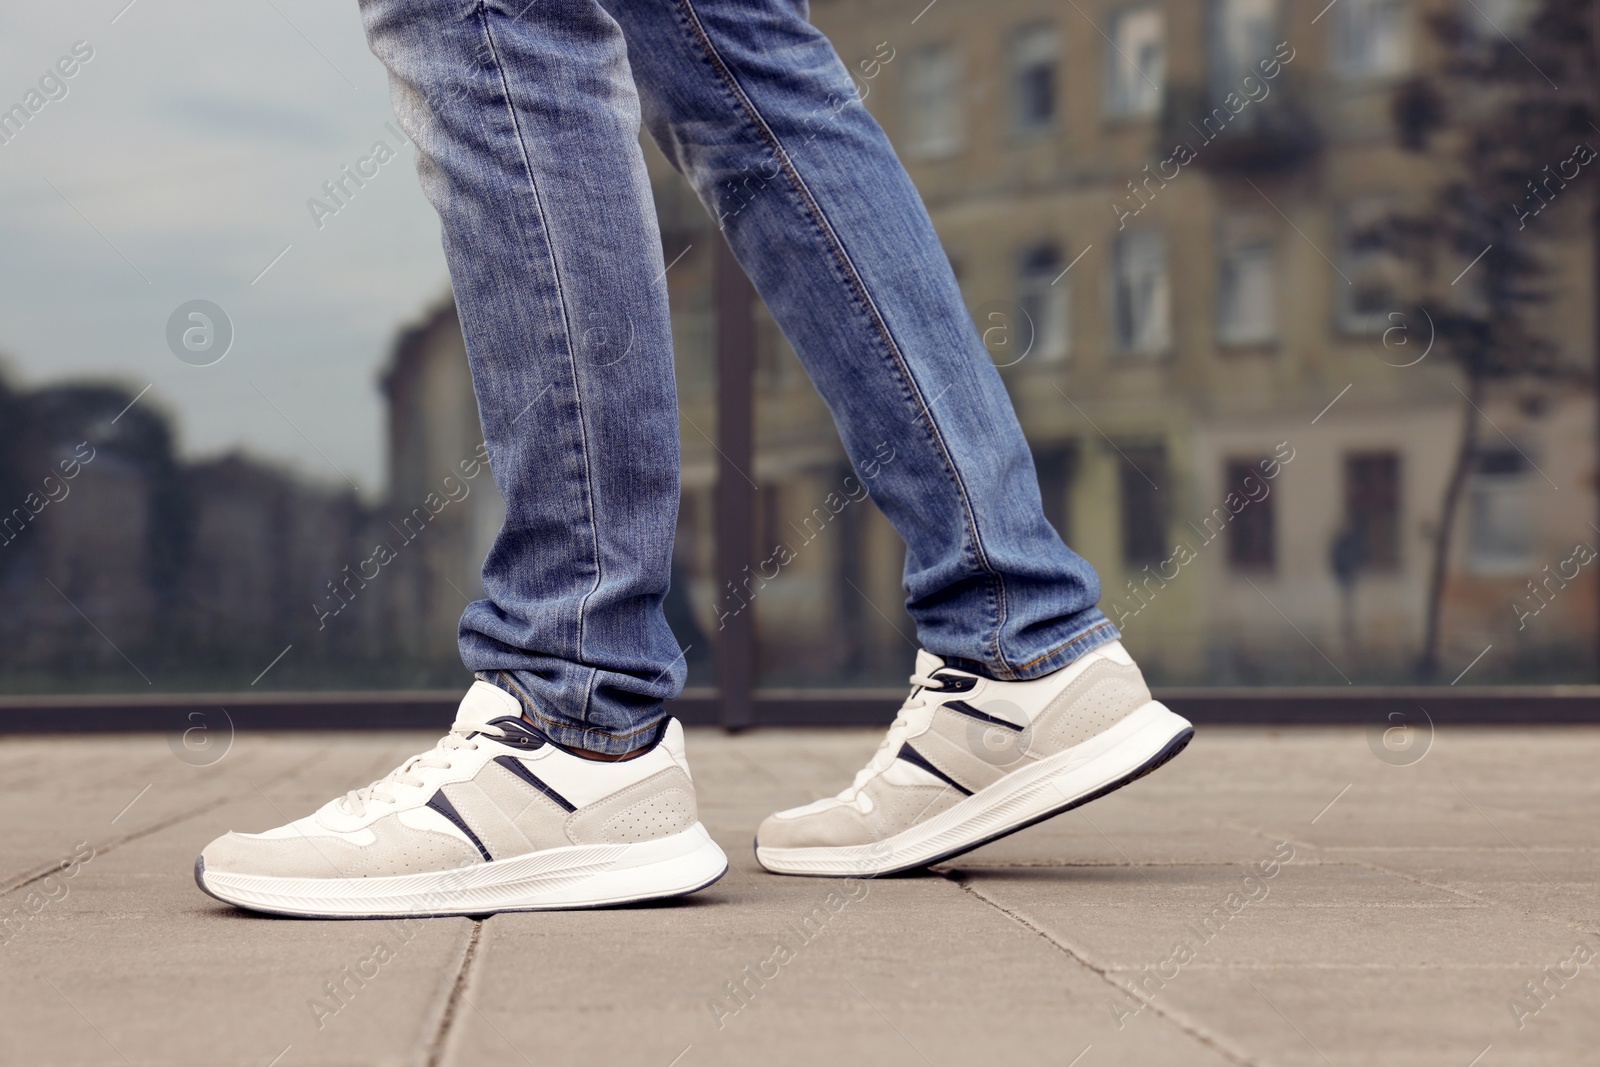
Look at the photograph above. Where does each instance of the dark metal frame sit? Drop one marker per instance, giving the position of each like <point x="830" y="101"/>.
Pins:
<point x="735" y="488"/>
<point x="1595" y="279"/>
<point x="227" y="713"/>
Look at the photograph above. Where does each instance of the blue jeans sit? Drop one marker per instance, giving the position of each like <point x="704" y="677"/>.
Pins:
<point x="526" y="117"/>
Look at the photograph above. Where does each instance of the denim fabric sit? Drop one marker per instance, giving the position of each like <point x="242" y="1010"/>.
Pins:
<point x="526" y="120"/>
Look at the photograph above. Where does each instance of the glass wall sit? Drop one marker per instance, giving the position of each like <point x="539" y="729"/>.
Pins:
<point x="1295" y="308"/>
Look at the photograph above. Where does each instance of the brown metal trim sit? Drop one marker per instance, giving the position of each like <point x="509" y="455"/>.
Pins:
<point x="735" y="491"/>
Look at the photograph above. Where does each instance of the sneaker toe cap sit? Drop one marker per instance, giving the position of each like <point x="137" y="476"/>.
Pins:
<point x="391" y="848"/>
<point x="283" y="857"/>
<point x="823" y="825"/>
<point x="236" y="853"/>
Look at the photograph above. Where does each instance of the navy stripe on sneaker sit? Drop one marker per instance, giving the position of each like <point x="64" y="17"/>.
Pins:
<point x="520" y="769"/>
<point x="917" y="759"/>
<point x="441" y="804"/>
<point x="963" y="708"/>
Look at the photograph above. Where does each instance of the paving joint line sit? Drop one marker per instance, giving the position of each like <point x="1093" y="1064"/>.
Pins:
<point x="1481" y="900"/>
<point x="1258" y="832"/>
<point x="1192" y="1029"/>
<point x="1396" y="873"/>
<point x="1330" y="859"/>
<point x="1062" y="865"/>
<point x="450" y="1011"/>
<point x="165" y="824"/>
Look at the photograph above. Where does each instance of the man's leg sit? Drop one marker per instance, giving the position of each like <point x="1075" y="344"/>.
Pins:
<point x="527" y="132"/>
<point x="526" y="124"/>
<point x="1024" y="704"/>
<point x="753" y="105"/>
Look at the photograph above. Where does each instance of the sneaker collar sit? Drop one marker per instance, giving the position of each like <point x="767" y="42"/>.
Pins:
<point x="483" y="704"/>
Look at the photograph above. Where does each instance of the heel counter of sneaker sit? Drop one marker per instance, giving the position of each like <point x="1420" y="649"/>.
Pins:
<point x="1101" y="696"/>
<point x="672" y="741"/>
<point x="658" y="806"/>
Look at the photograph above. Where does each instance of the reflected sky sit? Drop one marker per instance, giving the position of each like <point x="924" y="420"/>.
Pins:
<point x="177" y="166"/>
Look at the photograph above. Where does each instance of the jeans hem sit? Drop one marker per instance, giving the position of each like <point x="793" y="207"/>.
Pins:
<point x="1100" y="633"/>
<point x="569" y="734"/>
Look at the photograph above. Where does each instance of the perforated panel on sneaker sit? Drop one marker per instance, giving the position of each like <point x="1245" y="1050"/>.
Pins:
<point x="658" y="806"/>
<point x="1097" y="700"/>
<point x="897" y="807"/>
<point x="668" y="812"/>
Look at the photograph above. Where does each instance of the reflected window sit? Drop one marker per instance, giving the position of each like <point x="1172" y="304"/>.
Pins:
<point x="1242" y="34"/>
<point x="1494" y="20"/>
<point x="1246" y="283"/>
<point x="1141" y="295"/>
<point x="933" y="102"/>
<point x="1136" y="62"/>
<point x="1500" y="540"/>
<point x="1034" y="52"/>
<point x="771" y="527"/>
<point x="1372" y="507"/>
<point x="1057" y="465"/>
<point x="1142" y="472"/>
<point x="1372" y="283"/>
<point x="1372" y="38"/>
<point x="1044" y="301"/>
<point x="1252" y="532"/>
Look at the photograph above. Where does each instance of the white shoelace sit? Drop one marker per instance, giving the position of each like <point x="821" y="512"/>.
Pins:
<point x="438" y="757"/>
<point x="905" y="721"/>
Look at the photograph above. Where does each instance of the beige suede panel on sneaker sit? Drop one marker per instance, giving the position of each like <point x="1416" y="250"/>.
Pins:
<point x="834" y="825"/>
<point x="958" y="745"/>
<point x="540" y="820"/>
<point x="894" y="808"/>
<point x="397" y="850"/>
<point x="491" y="823"/>
<point x="658" y="806"/>
<point x="1099" y="698"/>
<point x="899" y="807"/>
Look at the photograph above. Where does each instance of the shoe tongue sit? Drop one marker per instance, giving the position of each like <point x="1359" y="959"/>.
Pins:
<point x="927" y="663"/>
<point x="484" y="702"/>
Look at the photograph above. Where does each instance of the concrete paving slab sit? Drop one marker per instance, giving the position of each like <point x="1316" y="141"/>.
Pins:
<point x="1340" y="916"/>
<point x="1389" y="1016"/>
<point x="793" y="971"/>
<point x="128" y="962"/>
<point x="1404" y="930"/>
<point x="1562" y="885"/>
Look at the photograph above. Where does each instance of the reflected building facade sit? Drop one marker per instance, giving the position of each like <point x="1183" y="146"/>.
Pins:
<point x="1158" y="214"/>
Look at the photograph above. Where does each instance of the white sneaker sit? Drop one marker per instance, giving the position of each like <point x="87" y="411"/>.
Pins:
<point x="969" y="760"/>
<point x="495" y="817"/>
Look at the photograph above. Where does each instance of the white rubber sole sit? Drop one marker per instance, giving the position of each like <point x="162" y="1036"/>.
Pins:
<point x="1142" y="741"/>
<point x="577" y="876"/>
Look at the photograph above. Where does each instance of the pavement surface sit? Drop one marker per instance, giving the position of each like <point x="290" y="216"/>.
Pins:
<point x="1302" y="896"/>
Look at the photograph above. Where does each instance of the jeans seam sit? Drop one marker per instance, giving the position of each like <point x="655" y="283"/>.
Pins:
<point x="566" y="319"/>
<point x="997" y="612"/>
<point x="875" y="318"/>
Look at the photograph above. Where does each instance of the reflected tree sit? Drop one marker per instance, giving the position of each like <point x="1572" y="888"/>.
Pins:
<point x="1507" y="119"/>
